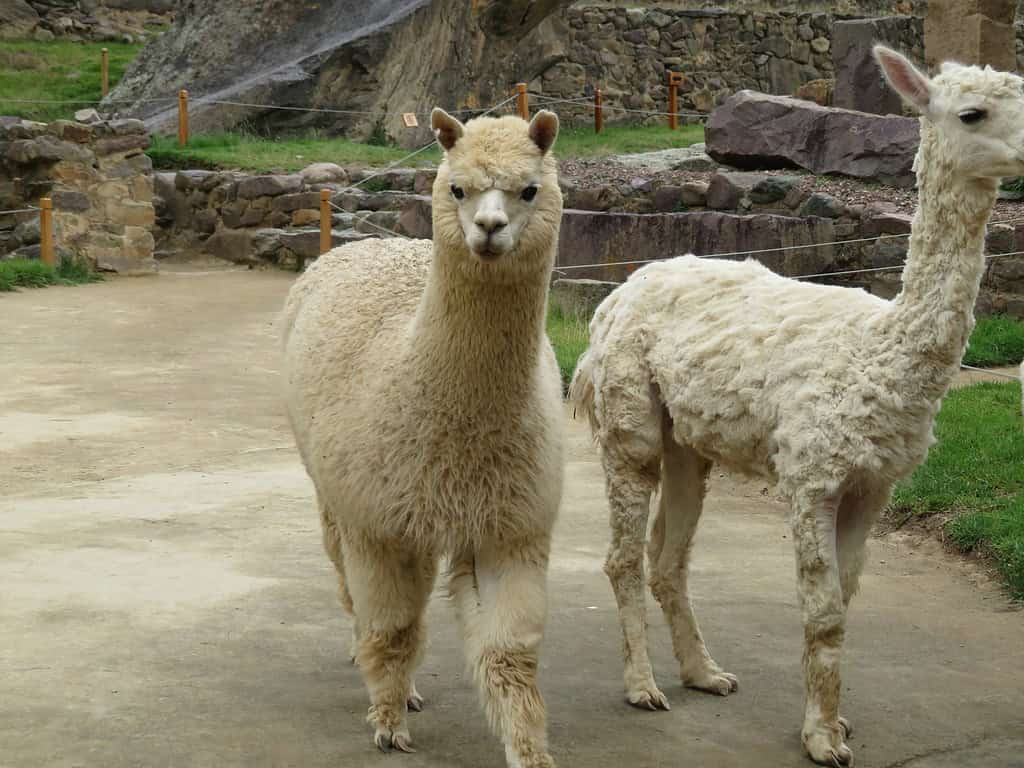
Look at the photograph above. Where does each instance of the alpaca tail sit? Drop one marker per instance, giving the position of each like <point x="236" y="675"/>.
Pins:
<point x="581" y="390"/>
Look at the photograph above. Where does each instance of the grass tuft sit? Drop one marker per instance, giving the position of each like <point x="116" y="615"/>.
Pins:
<point x="996" y="341"/>
<point x="31" y="273"/>
<point x="570" y="336"/>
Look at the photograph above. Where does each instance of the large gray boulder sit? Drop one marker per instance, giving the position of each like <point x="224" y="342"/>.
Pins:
<point x="364" y="62"/>
<point x="757" y="131"/>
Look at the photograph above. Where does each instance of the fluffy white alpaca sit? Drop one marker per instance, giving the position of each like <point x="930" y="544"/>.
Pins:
<point x="828" y="391"/>
<point x="426" y="403"/>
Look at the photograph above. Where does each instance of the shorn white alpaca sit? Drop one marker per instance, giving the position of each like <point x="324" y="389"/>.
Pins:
<point x="828" y="391"/>
<point x="426" y="403"/>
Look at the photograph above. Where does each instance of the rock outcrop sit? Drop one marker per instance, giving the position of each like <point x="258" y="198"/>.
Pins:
<point x="757" y="131"/>
<point x="372" y="61"/>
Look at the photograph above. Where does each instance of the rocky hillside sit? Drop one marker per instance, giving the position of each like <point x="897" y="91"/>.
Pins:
<point x="382" y="57"/>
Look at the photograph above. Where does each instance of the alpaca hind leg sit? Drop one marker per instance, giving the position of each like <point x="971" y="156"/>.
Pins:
<point x="824" y="614"/>
<point x="629" y="498"/>
<point x="390" y="588"/>
<point x="679" y="503"/>
<point x="500" y="597"/>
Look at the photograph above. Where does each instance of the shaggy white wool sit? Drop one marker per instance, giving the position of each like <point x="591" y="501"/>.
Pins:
<point x="829" y="392"/>
<point x="426" y="404"/>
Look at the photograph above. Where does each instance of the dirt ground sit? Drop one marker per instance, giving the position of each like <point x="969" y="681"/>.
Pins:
<point x="164" y="600"/>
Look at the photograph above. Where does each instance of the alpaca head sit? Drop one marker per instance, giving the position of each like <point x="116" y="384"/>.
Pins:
<point x="977" y="113"/>
<point x="497" y="204"/>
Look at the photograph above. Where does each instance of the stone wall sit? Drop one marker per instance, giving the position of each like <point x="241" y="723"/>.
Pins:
<point x="626" y="52"/>
<point x="99" y="180"/>
<point x="74" y="20"/>
<point x="274" y="220"/>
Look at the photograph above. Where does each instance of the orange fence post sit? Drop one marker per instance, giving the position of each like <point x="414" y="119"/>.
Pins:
<point x="104" y="72"/>
<point x="598" y="111"/>
<point x="325" y="220"/>
<point x="674" y="81"/>
<point x="182" y="118"/>
<point x="522" y="101"/>
<point x="46" y="250"/>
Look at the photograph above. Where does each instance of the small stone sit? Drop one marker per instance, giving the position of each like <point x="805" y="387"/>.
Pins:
<point x="823" y="206"/>
<point x="323" y="173"/>
<point x="821" y="44"/>
<point x="772" y="189"/>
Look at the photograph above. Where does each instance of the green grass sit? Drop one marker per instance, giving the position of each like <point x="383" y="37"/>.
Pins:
<point x="31" y="273"/>
<point x="254" y="153"/>
<point x="56" y="71"/>
<point x="976" y="470"/>
<point x="570" y="337"/>
<point x="624" y="140"/>
<point x="996" y="341"/>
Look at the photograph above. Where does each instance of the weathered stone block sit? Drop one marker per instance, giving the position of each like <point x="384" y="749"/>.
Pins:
<point x="122" y="144"/>
<point x="296" y="201"/>
<point x="75" y="202"/>
<point x="305" y="217"/>
<point x="46" y="149"/>
<point x="971" y="32"/>
<point x="269" y="186"/>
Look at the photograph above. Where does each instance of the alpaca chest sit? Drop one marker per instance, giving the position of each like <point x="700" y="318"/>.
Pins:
<point x="453" y="482"/>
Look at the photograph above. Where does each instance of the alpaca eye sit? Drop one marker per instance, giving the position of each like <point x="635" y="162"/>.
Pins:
<point x="457" y="192"/>
<point x="529" y="193"/>
<point x="972" y="116"/>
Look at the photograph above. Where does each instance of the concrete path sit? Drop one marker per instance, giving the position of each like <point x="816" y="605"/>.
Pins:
<point x="164" y="600"/>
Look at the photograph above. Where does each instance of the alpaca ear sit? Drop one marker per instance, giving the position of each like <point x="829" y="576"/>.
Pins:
<point x="906" y="79"/>
<point x="447" y="129"/>
<point x="544" y="129"/>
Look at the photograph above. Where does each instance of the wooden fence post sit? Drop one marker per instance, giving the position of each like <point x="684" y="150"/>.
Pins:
<point x="104" y="72"/>
<point x="675" y="79"/>
<point x="522" y="101"/>
<point x="325" y="220"/>
<point x="598" y="110"/>
<point x="46" y="250"/>
<point x="182" y="118"/>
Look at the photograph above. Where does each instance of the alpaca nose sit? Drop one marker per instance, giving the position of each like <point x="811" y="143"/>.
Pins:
<point x="491" y="221"/>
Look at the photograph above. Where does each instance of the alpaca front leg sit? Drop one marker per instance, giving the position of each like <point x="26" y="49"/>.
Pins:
<point x="824" y="616"/>
<point x="629" y="495"/>
<point x="389" y="590"/>
<point x="500" y="597"/>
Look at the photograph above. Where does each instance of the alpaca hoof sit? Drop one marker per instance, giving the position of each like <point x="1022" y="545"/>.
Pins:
<point x="713" y="681"/>
<point x="826" y="746"/>
<point x="387" y="740"/>
<point x="648" y="698"/>
<point x="415" y="701"/>
<point x="533" y="760"/>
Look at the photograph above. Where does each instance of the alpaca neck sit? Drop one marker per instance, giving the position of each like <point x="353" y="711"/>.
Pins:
<point x="484" y="336"/>
<point x="934" y="313"/>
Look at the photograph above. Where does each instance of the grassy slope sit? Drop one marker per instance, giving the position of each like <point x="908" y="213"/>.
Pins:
<point x="232" y="150"/>
<point x="976" y="470"/>
<point x="30" y="273"/>
<point x="996" y="341"/>
<point x="56" y="71"/>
